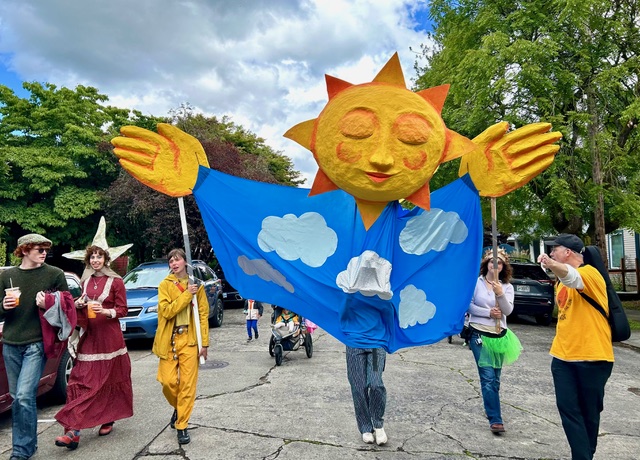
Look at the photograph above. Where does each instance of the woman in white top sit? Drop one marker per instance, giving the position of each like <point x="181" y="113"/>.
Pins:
<point x="491" y="342"/>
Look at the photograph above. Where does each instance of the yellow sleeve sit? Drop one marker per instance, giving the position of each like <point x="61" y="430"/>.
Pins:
<point x="203" y="310"/>
<point x="168" y="307"/>
<point x="594" y="286"/>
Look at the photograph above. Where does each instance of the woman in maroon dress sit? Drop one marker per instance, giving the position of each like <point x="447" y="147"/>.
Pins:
<point x="99" y="390"/>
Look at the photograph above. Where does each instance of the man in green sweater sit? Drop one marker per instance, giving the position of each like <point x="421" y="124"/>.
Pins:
<point x="23" y="350"/>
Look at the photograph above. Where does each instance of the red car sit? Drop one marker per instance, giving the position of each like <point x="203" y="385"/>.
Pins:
<point x="56" y="370"/>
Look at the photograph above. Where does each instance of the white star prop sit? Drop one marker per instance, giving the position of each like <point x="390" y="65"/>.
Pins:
<point x="100" y="240"/>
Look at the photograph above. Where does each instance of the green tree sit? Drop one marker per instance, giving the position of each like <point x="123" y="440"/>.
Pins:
<point x="56" y="159"/>
<point x="255" y="154"/>
<point x="574" y="64"/>
<point x="3" y="248"/>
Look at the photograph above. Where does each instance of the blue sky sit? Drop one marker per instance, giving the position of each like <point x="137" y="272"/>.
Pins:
<point x="11" y="79"/>
<point x="421" y="17"/>
<point x="259" y="62"/>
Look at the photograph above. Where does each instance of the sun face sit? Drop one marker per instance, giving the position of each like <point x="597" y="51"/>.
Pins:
<point x="379" y="141"/>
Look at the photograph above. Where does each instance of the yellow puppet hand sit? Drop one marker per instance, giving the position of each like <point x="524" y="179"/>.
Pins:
<point x="167" y="162"/>
<point x="504" y="162"/>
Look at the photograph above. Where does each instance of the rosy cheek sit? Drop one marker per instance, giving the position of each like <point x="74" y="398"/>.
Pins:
<point x="416" y="161"/>
<point x="347" y="153"/>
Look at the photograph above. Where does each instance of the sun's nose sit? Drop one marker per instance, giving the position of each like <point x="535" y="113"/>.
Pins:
<point x="381" y="159"/>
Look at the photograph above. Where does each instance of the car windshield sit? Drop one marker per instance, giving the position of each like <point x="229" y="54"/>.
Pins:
<point x="528" y="272"/>
<point x="145" y="277"/>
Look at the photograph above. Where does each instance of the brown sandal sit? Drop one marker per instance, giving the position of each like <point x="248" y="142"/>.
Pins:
<point x="497" y="428"/>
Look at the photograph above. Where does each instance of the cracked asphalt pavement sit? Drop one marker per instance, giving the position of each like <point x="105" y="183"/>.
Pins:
<point x="247" y="408"/>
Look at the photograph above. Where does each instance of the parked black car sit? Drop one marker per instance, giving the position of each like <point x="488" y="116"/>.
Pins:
<point x="533" y="291"/>
<point x="230" y="295"/>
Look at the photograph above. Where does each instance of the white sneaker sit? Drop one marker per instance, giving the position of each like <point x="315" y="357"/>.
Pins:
<point x="381" y="436"/>
<point x="367" y="438"/>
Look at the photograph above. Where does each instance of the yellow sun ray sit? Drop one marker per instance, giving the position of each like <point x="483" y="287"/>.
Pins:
<point x="391" y="73"/>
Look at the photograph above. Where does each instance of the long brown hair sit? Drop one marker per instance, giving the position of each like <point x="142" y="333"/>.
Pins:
<point x="505" y="274"/>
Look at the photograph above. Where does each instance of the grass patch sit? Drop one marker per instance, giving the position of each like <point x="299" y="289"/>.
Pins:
<point x="631" y="304"/>
<point x="634" y="325"/>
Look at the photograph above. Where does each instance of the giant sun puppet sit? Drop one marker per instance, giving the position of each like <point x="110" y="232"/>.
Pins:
<point x="345" y="254"/>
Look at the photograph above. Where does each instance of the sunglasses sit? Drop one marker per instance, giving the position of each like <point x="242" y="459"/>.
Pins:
<point x="42" y="250"/>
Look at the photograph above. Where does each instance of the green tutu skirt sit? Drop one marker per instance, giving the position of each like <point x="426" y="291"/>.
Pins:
<point x="499" y="351"/>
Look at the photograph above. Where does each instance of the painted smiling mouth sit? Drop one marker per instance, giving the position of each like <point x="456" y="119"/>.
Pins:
<point x="378" y="176"/>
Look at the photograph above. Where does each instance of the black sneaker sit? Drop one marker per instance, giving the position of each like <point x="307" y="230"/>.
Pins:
<point x="174" y="417"/>
<point x="183" y="437"/>
<point x="249" y="339"/>
<point x="257" y="335"/>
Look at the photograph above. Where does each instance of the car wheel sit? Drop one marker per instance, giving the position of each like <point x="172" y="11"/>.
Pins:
<point x="277" y="351"/>
<point x="543" y="320"/>
<point x="218" y="313"/>
<point x="59" y="390"/>
<point x="308" y="345"/>
<point x="272" y="343"/>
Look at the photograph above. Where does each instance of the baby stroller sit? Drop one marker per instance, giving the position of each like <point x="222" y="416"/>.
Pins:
<point x="288" y="335"/>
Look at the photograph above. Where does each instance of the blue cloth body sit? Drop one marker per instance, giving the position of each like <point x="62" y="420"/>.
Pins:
<point x="406" y="281"/>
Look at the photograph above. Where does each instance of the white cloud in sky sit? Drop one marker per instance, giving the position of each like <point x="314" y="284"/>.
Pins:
<point x="261" y="62"/>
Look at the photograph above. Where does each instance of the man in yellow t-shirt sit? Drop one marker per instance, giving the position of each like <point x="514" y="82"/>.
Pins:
<point x="582" y="350"/>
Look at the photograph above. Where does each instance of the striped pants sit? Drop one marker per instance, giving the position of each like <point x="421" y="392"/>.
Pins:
<point x="364" y="371"/>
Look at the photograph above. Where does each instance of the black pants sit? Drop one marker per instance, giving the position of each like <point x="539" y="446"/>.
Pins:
<point x="579" y="389"/>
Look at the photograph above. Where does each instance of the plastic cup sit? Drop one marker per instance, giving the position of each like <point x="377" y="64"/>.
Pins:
<point x="15" y="293"/>
<point x="90" y="305"/>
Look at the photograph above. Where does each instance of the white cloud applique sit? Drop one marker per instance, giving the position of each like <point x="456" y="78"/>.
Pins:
<point x="307" y="238"/>
<point x="414" y="307"/>
<point x="369" y="274"/>
<point x="264" y="270"/>
<point x="432" y="230"/>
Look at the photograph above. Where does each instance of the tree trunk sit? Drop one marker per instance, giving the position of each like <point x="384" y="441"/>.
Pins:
<point x="600" y="236"/>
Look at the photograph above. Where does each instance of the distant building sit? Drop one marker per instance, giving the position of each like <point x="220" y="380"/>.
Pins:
<point x="623" y="244"/>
